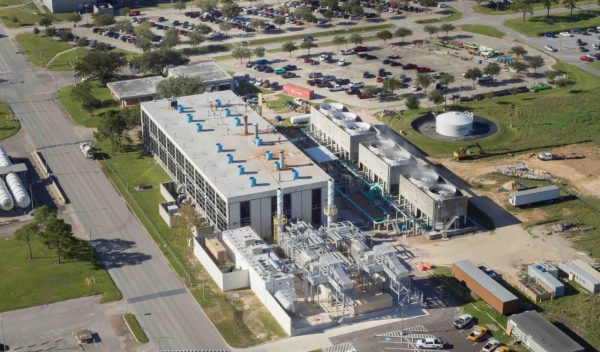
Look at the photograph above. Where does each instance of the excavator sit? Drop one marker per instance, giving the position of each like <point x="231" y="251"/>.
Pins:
<point x="467" y="153"/>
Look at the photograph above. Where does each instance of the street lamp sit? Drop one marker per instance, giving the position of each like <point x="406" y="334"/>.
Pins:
<point x="3" y="337"/>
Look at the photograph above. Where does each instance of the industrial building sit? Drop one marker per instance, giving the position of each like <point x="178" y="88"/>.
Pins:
<point x="454" y="124"/>
<point x="232" y="164"/>
<point x="546" y="275"/>
<point x="538" y="334"/>
<point x="56" y="6"/>
<point x="582" y="273"/>
<point x="383" y="161"/>
<point x="212" y="75"/>
<point x="485" y="287"/>
<point x="134" y="91"/>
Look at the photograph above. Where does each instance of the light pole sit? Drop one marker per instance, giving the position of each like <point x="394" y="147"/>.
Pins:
<point x="3" y="337"/>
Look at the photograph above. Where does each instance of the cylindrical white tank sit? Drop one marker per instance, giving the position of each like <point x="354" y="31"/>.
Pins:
<point x="4" y="160"/>
<point x="6" y="201"/>
<point x="19" y="192"/>
<point x="454" y="123"/>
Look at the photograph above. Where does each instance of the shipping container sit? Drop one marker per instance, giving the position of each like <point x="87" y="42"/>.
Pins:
<point x="134" y="12"/>
<point x="534" y="195"/>
<point x="297" y="91"/>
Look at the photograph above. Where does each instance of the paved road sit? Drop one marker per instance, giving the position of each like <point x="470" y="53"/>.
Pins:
<point x="153" y="291"/>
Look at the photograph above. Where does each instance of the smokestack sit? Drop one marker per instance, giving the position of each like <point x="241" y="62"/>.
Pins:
<point x="245" y="125"/>
<point x="282" y="159"/>
<point x="255" y="131"/>
<point x="330" y="201"/>
<point x="279" y="212"/>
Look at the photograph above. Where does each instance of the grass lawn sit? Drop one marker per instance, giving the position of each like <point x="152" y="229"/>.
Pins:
<point x="158" y="4"/>
<point x="452" y="15"/>
<point x="11" y="2"/>
<point x="482" y="29"/>
<point x="20" y="16"/>
<point x="278" y="105"/>
<point x="135" y="328"/>
<point x="487" y="10"/>
<point x="64" y="61"/>
<point x="8" y="126"/>
<point x="539" y="25"/>
<point x="39" y="50"/>
<point x="42" y="280"/>
<point x="552" y="117"/>
<point x="595" y="64"/>
<point x="77" y="113"/>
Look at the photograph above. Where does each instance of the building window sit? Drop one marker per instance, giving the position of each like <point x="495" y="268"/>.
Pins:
<point x="287" y="205"/>
<point x="245" y="213"/>
<point x="316" y="199"/>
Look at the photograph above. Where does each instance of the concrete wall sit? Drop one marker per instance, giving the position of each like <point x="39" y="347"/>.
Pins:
<point x="67" y="5"/>
<point x="226" y="281"/>
<point x="258" y="287"/>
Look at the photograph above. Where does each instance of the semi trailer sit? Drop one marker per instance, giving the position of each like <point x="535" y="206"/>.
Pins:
<point x="534" y="195"/>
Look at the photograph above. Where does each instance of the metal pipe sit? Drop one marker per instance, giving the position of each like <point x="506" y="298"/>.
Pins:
<point x="282" y="159"/>
<point x="330" y="201"/>
<point x="255" y="131"/>
<point x="279" y="212"/>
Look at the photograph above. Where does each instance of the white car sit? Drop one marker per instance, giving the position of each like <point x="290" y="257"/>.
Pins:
<point x="596" y="46"/>
<point x="430" y="343"/>
<point x="347" y="52"/>
<point x="463" y="321"/>
<point x="565" y="34"/>
<point x="341" y="62"/>
<point x="441" y="5"/>
<point x="550" y="48"/>
<point x="490" y="346"/>
<point x="337" y="88"/>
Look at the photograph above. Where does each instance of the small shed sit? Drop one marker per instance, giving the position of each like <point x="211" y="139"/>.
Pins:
<point x="212" y="75"/>
<point x="582" y="273"/>
<point x="134" y="91"/>
<point x="485" y="287"/>
<point x="538" y="334"/>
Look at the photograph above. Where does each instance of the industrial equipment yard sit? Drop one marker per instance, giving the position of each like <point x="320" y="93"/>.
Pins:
<point x="299" y="176"/>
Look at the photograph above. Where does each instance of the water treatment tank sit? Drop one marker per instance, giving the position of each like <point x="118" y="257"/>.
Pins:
<point x="424" y="177"/>
<point x="454" y="123"/>
<point x="19" y="192"/>
<point x="6" y="201"/>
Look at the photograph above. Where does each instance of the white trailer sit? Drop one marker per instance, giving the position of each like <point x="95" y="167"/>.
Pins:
<point x="534" y="195"/>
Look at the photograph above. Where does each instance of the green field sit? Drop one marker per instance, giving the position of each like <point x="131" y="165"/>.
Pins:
<point x="135" y="328"/>
<point x="66" y="60"/>
<point x="486" y="10"/>
<point x="11" y="2"/>
<point x="41" y="280"/>
<point x="39" y="50"/>
<point x="453" y="15"/>
<point x="552" y="117"/>
<point x="330" y="33"/>
<point x="539" y="25"/>
<point x="8" y="126"/>
<point x="77" y="113"/>
<point x="595" y="64"/>
<point x="20" y="16"/>
<point x="482" y="30"/>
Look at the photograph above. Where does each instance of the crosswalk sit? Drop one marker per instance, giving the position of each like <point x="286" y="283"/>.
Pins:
<point x="407" y="332"/>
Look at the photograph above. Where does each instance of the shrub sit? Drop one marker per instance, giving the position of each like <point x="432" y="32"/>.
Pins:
<point x="36" y="30"/>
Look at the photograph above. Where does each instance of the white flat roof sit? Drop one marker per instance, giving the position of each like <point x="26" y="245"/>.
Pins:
<point x="208" y="71"/>
<point x="135" y="88"/>
<point x="200" y="147"/>
<point x="320" y="154"/>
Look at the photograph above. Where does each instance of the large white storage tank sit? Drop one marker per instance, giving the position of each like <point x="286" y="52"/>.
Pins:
<point x="16" y="187"/>
<point x="6" y="201"/>
<point x="454" y="123"/>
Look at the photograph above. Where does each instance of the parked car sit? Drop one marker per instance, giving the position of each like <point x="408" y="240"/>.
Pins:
<point x="477" y="333"/>
<point x="288" y="74"/>
<point x="280" y="70"/>
<point x="395" y="63"/>
<point x="360" y="49"/>
<point x="423" y="69"/>
<point x="550" y="35"/>
<point x="585" y="58"/>
<point x="565" y="34"/>
<point x="368" y="74"/>
<point x="550" y="48"/>
<point x="409" y="66"/>
<point x="430" y="343"/>
<point x="347" y="51"/>
<point x="484" y="79"/>
<point x="290" y="67"/>
<point x="342" y="62"/>
<point x="490" y="345"/>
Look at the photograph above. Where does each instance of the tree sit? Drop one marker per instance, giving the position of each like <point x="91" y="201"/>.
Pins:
<point x="83" y="93"/>
<point x="124" y="26"/>
<point x="207" y="5"/>
<point x="124" y="11"/>
<point x="189" y="219"/>
<point x="195" y="37"/>
<point x="45" y="21"/>
<point x="75" y="18"/>
<point x="241" y="51"/>
<point x="144" y="36"/>
<point x="446" y="79"/>
<point x="519" y="66"/>
<point x="179" y="5"/>
<point x="339" y="40"/>
<point x="428" y="3"/>
<point x="356" y="39"/>
<point x="535" y="62"/>
<point x="330" y="4"/>
<point x="548" y="5"/>
<point x="424" y="80"/>
<point x="179" y="86"/>
<point x="100" y="64"/>
<point x="492" y="69"/>
<point x="524" y="6"/>
<point x="551" y="75"/>
<point x="403" y="33"/>
<point x="478" y="2"/>
<point x="436" y="97"/>
<point x="519" y="51"/>
<point x="431" y="30"/>
<point x="357" y="10"/>
<point x="473" y="74"/>
<point x="156" y="61"/>
<point x="308" y="44"/>
<point x="256" y="23"/>
<point x="259" y="52"/>
<point x="41" y="216"/>
<point x="391" y="84"/>
<point x="412" y="102"/>
<point x="379" y="8"/>
<point x="570" y="4"/>
<point x="204" y="29"/>
<point x="62" y="236"/>
<point x="279" y="21"/>
<point x="66" y="35"/>
<point x="113" y="126"/>
<point x="27" y="233"/>
<point x="230" y="9"/>
<point x="102" y="19"/>
<point x="328" y="14"/>
<point x="50" y="31"/>
<point x="371" y="90"/>
<point x="447" y="27"/>
<point x="289" y="47"/>
<point x="170" y="39"/>
<point x="384" y="35"/>
<point x="225" y="27"/>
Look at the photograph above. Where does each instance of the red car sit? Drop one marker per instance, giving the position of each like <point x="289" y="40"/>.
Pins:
<point x="308" y="60"/>
<point x="597" y="55"/>
<point x="379" y="79"/>
<point x="423" y="69"/>
<point x="360" y="49"/>
<point x="585" y="58"/>
<point x="298" y="23"/>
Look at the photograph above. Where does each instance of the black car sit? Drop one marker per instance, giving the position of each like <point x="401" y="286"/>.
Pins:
<point x="367" y="74"/>
<point x="502" y="93"/>
<point x="269" y="69"/>
<point x="478" y="96"/>
<point x="371" y="57"/>
<point x="465" y="99"/>
<point x="522" y="89"/>
<point x="288" y="74"/>
<point x="386" y="61"/>
<point x="290" y="67"/>
<point x="260" y="68"/>
<point x="395" y="63"/>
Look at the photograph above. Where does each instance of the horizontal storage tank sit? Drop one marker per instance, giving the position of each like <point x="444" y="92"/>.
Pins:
<point x="6" y="200"/>
<point x="454" y="123"/>
<point x="4" y="160"/>
<point x="424" y="177"/>
<point x="329" y="108"/>
<point x="19" y="192"/>
<point x="300" y="119"/>
<point x="355" y="128"/>
<point x="442" y="190"/>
